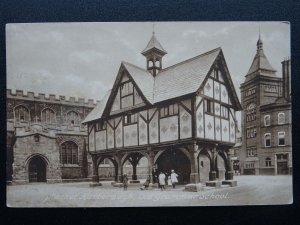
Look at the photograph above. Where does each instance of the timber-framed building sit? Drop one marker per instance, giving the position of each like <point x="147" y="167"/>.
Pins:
<point x="182" y="117"/>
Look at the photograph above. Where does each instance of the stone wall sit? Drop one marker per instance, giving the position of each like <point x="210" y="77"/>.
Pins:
<point x="26" y="147"/>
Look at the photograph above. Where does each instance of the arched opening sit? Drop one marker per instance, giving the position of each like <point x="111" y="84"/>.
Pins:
<point x="220" y="166"/>
<point x="135" y="165"/>
<point x="107" y="169"/>
<point x="37" y="169"/>
<point x="174" y="159"/>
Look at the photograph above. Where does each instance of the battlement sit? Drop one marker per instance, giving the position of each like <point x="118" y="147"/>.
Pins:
<point x="51" y="98"/>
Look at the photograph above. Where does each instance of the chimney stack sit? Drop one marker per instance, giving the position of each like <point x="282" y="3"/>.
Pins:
<point x="286" y="75"/>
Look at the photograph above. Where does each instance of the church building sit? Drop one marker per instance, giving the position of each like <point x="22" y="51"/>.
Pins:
<point x="182" y="117"/>
<point x="266" y="118"/>
<point x="46" y="141"/>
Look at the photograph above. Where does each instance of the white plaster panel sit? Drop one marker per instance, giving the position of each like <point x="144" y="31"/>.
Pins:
<point x="110" y="137"/>
<point x="116" y="102"/>
<point x="130" y="135"/>
<point x="137" y="98"/>
<point x="224" y="93"/>
<point x="209" y="127"/>
<point x="125" y="78"/>
<point x="92" y="140"/>
<point x="187" y="103"/>
<point x="218" y="128"/>
<point x="144" y="114"/>
<point x="169" y="129"/>
<point x="217" y="109"/>
<point x="151" y="112"/>
<point x="208" y="88"/>
<point x="225" y="130"/>
<point x="119" y="135"/>
<point x="217" y="90"/>
<point x="200" y="121"/>
<point x="100" y="140"/>
<point x="232" y="129"/>
<point x="198" y="99"/>
<point x="143" y="132"/>
<point x="185" y="123"/>
<point x="153" y="128"/>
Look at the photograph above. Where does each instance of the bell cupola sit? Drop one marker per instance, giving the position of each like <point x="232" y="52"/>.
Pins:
<point x="154" y="53"/>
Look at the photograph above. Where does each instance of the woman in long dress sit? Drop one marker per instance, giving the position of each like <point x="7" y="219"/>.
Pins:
<point x="162" y="182"/>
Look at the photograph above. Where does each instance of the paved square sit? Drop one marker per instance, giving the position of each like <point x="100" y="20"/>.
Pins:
<point x="251" y="190"/>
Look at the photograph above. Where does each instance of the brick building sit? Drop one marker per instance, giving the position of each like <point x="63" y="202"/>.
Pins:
<point x="46" y="141"/>
<point x="181" y="117"/>
<point x="266" y="118"/>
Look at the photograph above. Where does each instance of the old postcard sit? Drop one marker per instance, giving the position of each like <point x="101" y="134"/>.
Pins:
<point x="148" y="114"/>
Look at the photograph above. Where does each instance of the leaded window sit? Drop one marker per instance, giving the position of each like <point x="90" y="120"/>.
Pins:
<point x="21" y="114"/>
<point x="69" y="153"/>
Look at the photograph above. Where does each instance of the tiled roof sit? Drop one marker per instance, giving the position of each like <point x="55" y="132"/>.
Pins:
<point x="154" y="43"/>
<point x="175" y="81"/>
<point x="97" y="112"/>
<point x="183" y="78"/>
<point x="260" y="62"/>
<point x="143" y="78"/>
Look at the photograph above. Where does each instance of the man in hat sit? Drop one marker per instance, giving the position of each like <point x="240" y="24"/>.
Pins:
<point x="174" y="178"/>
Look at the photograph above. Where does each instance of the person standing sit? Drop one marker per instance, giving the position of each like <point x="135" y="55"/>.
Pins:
<point x="125" y="182"/>
<point x="162" y="180"/>
<point x="174" y="179"/>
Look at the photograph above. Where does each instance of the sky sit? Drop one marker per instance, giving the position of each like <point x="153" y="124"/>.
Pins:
<point x="82" y="59"/>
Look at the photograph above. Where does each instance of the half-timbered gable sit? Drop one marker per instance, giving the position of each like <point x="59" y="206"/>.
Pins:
<point x="191" y="102"/>
<point x="214" y="109"/>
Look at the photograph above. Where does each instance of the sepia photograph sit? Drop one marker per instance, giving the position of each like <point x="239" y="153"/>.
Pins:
<point x="146" y="114"/>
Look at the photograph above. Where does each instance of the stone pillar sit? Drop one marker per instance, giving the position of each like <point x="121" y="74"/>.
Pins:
<point x="134" y="176"/>
<point x="119" y="165"/>
<point x="229" y="171"/>
<point x="194" y="176"/>
<point x="150" y="165"/>
<point x="213" y="173"/>
<point x="95" y="176"/>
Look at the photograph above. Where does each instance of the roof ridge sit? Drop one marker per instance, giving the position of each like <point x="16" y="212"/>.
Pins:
<point x="191" y="59"/>
<point x="130" y="64"/>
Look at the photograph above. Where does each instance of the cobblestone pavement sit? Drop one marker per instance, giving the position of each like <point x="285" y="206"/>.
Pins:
<point x="251" y="190"/>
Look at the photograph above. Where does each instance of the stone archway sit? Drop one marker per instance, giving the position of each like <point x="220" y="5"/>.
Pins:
<point x="107" y="169"/>
<point x="37" y="169"/>
<point x="129" y="164"/>
<point x="177" y="160"/>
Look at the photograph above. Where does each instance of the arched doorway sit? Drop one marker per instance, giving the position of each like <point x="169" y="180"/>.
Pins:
<point x="175" y="159"/>
<point x="37" y="169"/>
<point x="107" y="169"/>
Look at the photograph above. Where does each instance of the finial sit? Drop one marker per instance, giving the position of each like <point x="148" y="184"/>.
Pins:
<point x="259" y="32"/>
<point x="153" y="30"/>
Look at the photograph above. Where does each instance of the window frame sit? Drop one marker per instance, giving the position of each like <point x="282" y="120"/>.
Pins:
<point x="278" y="138"/>
<point x="268" y="162"/>
<point x="169" y="110"/>
<point x="265" y="120"/>
<point x="68" y="148"/>
<point x="265" y="139"/>
<point x="278" y="118"/>
<point x="129" y="119"/>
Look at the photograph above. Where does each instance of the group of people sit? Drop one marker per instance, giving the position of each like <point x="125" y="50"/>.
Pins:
<point x="171" y="180"/>
<point x="163" y="180"/>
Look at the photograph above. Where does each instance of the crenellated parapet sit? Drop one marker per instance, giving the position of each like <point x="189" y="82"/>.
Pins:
<point x="51" y="98"/>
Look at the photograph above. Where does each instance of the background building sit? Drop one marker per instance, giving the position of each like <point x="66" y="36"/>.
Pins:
<point x="266" y="118"/>
<point x="46" y="141"/>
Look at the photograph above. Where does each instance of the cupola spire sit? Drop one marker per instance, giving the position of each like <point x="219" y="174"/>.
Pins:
<point x="154" y="53"/>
